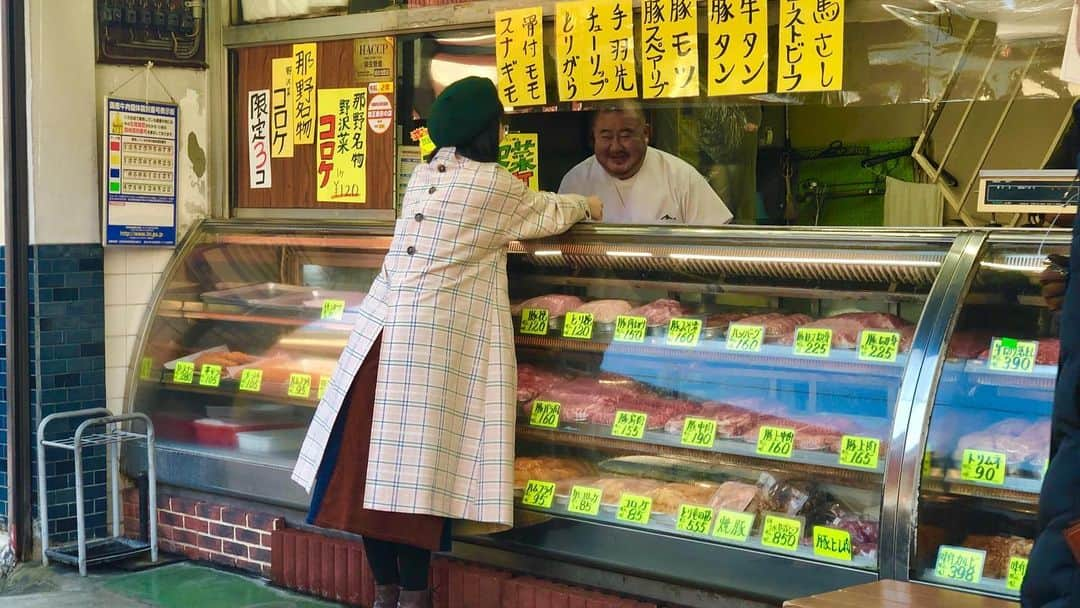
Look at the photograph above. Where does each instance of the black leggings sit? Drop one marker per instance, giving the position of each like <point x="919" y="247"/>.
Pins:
<point x="398" y="564"/>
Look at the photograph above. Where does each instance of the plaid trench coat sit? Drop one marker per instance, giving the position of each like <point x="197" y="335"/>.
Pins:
<point x="442" y="440"/>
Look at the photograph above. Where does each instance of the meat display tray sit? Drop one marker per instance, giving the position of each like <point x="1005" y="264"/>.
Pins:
<point x="1014" y="490"/>
<point x="1043" y="376"/>
<point x="991" y="586"/>
<point x="279" y="296"/>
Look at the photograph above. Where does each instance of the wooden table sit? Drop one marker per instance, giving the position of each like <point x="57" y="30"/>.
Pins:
<point x="895" y="594"/>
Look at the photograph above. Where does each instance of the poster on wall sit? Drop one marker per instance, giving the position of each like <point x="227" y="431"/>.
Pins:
<point x="139" y="172"/>
<point x="341" y="153"/>
<point x="519" y="153"/>
<point x="258" y="120"/>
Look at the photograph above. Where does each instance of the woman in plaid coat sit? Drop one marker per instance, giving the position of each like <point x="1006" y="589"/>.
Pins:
<point x="416" y="427"/>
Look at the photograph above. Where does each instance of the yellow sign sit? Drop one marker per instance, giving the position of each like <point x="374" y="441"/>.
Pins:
<point x="333" y="310"/>
<point x="545" y="414"/>
<point x="282" y="108"/>
<point x="781" y="532"/>
<point x="629" y="424"/>
<point x="694" y="519"/>
<point x="578" y="325"/>
<point x="983" y="467"/>
<point x="146" y="367"/>
<point x="324" y="382"/>
<point x="373" y="60"/>
<point x="745" y="338"/>
<point x="775" y="441"/>
<point x="738" y="51"/>
<point x="534" y="321"/>
<point x="341" y="156"/>
<point x="210" y="375"/>
<point x="832" y="543"/>
<point x="959" y="564"/>
<point x="584" y="501"/>
<point x="699" y="432"/>
<point x="421" y="137"/>
<point x="304" y="77"/>
<point x="669" y="49"/>
<point x="539" y="494"/>
<point x="1017" y="571"/>
<point x="519" y="153"/>
<point x="811" y="46"/>
<point x="251" y="380"/>
<point x="634" y="509"/>
<point x="860" y="452"/>
<point x="732" y="525"/>
<point x="184" y="372"/>
<point x="594" y="44"/>
<point x="879" y="346"/>
<point x="299" y="386"/>
<point x="684" y="332"/>
<point x="519" y="56"/>
<point x="630" y="329"/>
<point x="811" y="342"/>
<point x="1009" y="355"/>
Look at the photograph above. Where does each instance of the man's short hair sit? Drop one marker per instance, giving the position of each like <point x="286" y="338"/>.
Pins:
<point x="622" y="106"/>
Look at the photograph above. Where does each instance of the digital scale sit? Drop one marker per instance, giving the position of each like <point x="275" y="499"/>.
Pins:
<point x="1047" y="191"/>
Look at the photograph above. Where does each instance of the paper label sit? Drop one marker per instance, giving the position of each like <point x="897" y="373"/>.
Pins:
<point x="545" y="414"/>
<point x="578" y="325"/>
<point x="539" y="494"/>
<point x="629" y="424"/>
<point x="745" y="338"/>
<point x="630" y="329"/>
<point x="251" y="380"/>
<point x="983" y="467"/>
<point x="684" y="332"/>
<point x="210" y="375"/>
<point x="813" y="342"/>
<point x="860" y="452"/>
<point x="299" y="386"/>
<point x="534" y="321"/>
<point x="775" y="441"/>
<point x="333" y="310"/>
<point x="634" y="509"/>
<point x="584" y="500"/>
<point x="880" y="346"/>
<point x="832" y="543"/>
<point x="324" y="382"/>
<point x="1008" y="355"/>
<point x="781" y="532"/>
<point x="1017" y="571"/>
<point x="699" y="432"/>
<point x="960" y="564"/>
<point x="146" y="367"/>
<point x="694" y="519"/>
<point x="184" y="372"/>
<point x="733" y="525"/>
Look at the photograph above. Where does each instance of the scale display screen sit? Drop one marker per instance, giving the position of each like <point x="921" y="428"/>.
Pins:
<point x="1045" y="192"/>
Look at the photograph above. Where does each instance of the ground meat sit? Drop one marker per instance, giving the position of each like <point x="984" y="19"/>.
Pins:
<point x="556" y="304"/>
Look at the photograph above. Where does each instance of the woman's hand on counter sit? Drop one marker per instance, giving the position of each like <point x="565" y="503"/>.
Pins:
<point x="596" y="208"/>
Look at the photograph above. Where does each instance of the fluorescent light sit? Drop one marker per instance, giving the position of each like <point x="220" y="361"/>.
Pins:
<point x="1032" y="269"/>
<point x="547" y="252"/>
<point x="629" y="254"/>
<point x="761" y="259"/>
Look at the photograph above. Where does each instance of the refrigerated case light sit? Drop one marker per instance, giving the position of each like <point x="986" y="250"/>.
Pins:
<point x="784" y="260"/>
<point x="547" y="252"/>
<point x="629" y="254"/>
<point x="1025" y="268"/>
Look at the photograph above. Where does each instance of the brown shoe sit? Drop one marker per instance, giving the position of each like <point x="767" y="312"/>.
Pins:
<point x="414" y="599"/>
<point x="386" y="596"/>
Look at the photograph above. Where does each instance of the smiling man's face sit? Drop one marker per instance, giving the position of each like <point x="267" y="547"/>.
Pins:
<point x="620" y="138"/>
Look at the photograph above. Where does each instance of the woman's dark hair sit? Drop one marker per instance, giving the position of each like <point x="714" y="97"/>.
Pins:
<point x="484" y="148"/>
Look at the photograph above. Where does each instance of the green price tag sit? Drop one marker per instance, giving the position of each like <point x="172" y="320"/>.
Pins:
<point x="745" y="338"/>
<point x="584" y="501"/>
<point x="184" y="372"/>
<point x="781" y="532"/>
<point x="210" y="375"/>
<point x="333" y="310"/>
<point x="1017" y="571"/>
<point x="880" y="346"/>
<point x="534" y="321"/>
<point x="578" y="325"/>
<point x="959" y="564"/>
<point x="630" y="329"/>
<point x="832" y="543"/>
<point x="251" y="380"/>
<point x="299" y="386"/>
<point x="732" y="525"/>
<point x="694" y="519"/>
<point x="1009" y="355"/>
<point x="860" y="452"/>
<point x="634" y="509"/>
<point x="684" y="332"/>
<point x="538" y="494"/>
<point x="545" y="414"/>
<point x="927" y="462"/>
<point x="146" y="367"/>
<point x="629" y="424"/>
<point x="983" y="467"/>
<point x="775" y="441"/>
<point x="812" y="342"/>
<point x="324" y="382"/>
<point x="699" y="432"/>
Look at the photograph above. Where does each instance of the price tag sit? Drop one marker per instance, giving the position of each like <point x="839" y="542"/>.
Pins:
<point x="629" y="424"/>
<point x="832" y="543"/>
<point x="184" y="372"/>
<point x="775" y="441"/>
<point x="684" y="332"/>
<point x="959" y="564"/>
<point x="585" y="501"/>
<point x="634" y="509"/>
<point x="299" y="386"/>
<point x="210" y="375"/>
<point x="694" y="519"/>
<point x="699" y="432"/>
<point x="630" y="329"/>
<point x="745" y="338"/>
<point x="538" y="494"/>
<point x="545" y="414"/>
<point x="861" y="452"/>
<point x="578" y="325"/>
<point x="732" y="525"/>
<point x="983" y="467"/>
<point x="811" y="342"/>
<point x="927" y="463"/>
<point x="880" y="346"/>
<point x="324" y="382"/>
<point x="146" y="367"/>
<point x="1009" y="355"/>
<point x="333" y="310"/>
<point x="534" y="321"/>
<point x="251" y="380"/>
<point x="781" y="532"/>
<point x="1017" y="571"/>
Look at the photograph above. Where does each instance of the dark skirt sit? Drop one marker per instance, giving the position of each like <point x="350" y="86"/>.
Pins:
<point x="337" y="500"/>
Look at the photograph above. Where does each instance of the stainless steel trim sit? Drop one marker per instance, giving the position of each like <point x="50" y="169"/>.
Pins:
<point x="358" y="214"/>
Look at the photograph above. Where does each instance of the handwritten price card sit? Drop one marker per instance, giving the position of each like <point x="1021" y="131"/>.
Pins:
<point x="210" y="375"/>
<point x="1008" y="355"/>
<point x="699" y="433"/>
<point x="578" y="325"/>
<point x="684" y="332"/>
<point x="629" y="424"/>
<point x="775" y="441"/>
<point x="585" y="501"/>
<point x="538" y="494"/>
<point x="299" y="386"/>
<point x="781" y="532"/>
<point x="694" y="519"/>
<point x="251" y="380"/>
<point x="630" y="329"/>
<point x="960" y="564"/>
<point x="881" y="346"/>
<point x="732" y="525"/>
<point x="811" y="342"/>
<point x="184" y="373"/>
<point x="745" y="338"/>
<point x="534" y="322"/>
<point x="983" y="467"/>
<point x="859" y="452"/>
<point x="634" y="509"/>
<point x="545" y="414"/>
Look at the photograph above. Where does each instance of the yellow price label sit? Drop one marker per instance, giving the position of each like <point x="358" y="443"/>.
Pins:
<point x="745" y="338"/>
<point x="1016" y="573"/>
<point x="684" y="332"/>
<point x="578" y="326"/>
<point x="860" y="452"/>
<point x="210" y="375"/>
<point x="146" y="367"/>
<point x="880" y="346"/>
<point x="733" y="525"/>
<point x="960" y="564"/>
<point x="699" y="432"/>
<point x="927" y="463"/>
<point x="832" y="543"/>
<point x="775" y="441"/>
<point x="584" y="500"/>
<point x="630" y="329"/>
<point x="1009" y="355"/>
<point x="534" y="321"/>
<point x="251" y="380"/>
<point x="299" y="386"/>
<point x="333" y="310"/>
<point x="538" y="494"/>
<point x="545" y="414"/>
<point x="184" y="372"/>
<point x="983" y="467"/>
<point x="694" y="519"/>
<point x="634" y="509"/>
<point x="629" y="424"/>
<point x="781" y="532"/>
<point x="324" y="382"/>
<point x="813" y="342"/>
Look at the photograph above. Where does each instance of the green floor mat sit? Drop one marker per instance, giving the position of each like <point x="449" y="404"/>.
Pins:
<point x="186" y="585"/>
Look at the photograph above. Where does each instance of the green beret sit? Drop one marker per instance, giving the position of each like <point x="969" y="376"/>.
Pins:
<point x="463" y="111"/>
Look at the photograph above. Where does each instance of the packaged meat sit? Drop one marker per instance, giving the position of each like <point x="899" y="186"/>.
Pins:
<point x="737" y="496"/>
<point x="999" y="550"/>
<point x="668" y="498"/>
<point x="784" y="496"/>
<point x="548" y="468"/>
<point x="605" y="311"/>
<point x="659" y="312"/>
<point x="865" y="533"/>
<point x="556" y="304"/>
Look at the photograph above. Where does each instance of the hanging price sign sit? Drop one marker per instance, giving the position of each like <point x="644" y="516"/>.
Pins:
<point x="333" y="310"/>
<point x="210" y="375"/>
<point x="251" y="380"/>
<point x="545" y="414"/>
<point x="146" y="367"/>
<point x="184" y="372"/>
<point x="1009" y="355"/>
<point x="861" y="452"/>
<point x="694" y="519"/>
<point x="781" y="532"/>
<point x="1017" y="571"/>
<point x="629" y="424"/>
<point x="812" y="342"/>
<point x="578" y="326"/>
<point x="585" y="501"/>
<point x="960" y="564"/>
<point x="630" y="329"/>
<point x="983" y="467"/>
<point x="684" y="332"/>
<point x="538" y="494"/>
<point x="534" y="321"/>
<point x="832" y="543"/>
<point x="699" y="432"/>
<point x="775" y="441"/>
<point x="882" y="346"/>
<point x="732" y="525"/>
<point x="634" y="509"/>
<point x="745" y="338"/>
<point x="299" y="386"/>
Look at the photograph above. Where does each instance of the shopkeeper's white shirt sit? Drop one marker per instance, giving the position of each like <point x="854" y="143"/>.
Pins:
<point x="666" y="190"/>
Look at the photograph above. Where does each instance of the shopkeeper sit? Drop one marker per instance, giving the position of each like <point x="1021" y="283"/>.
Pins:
<point x="639" y="184"/>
